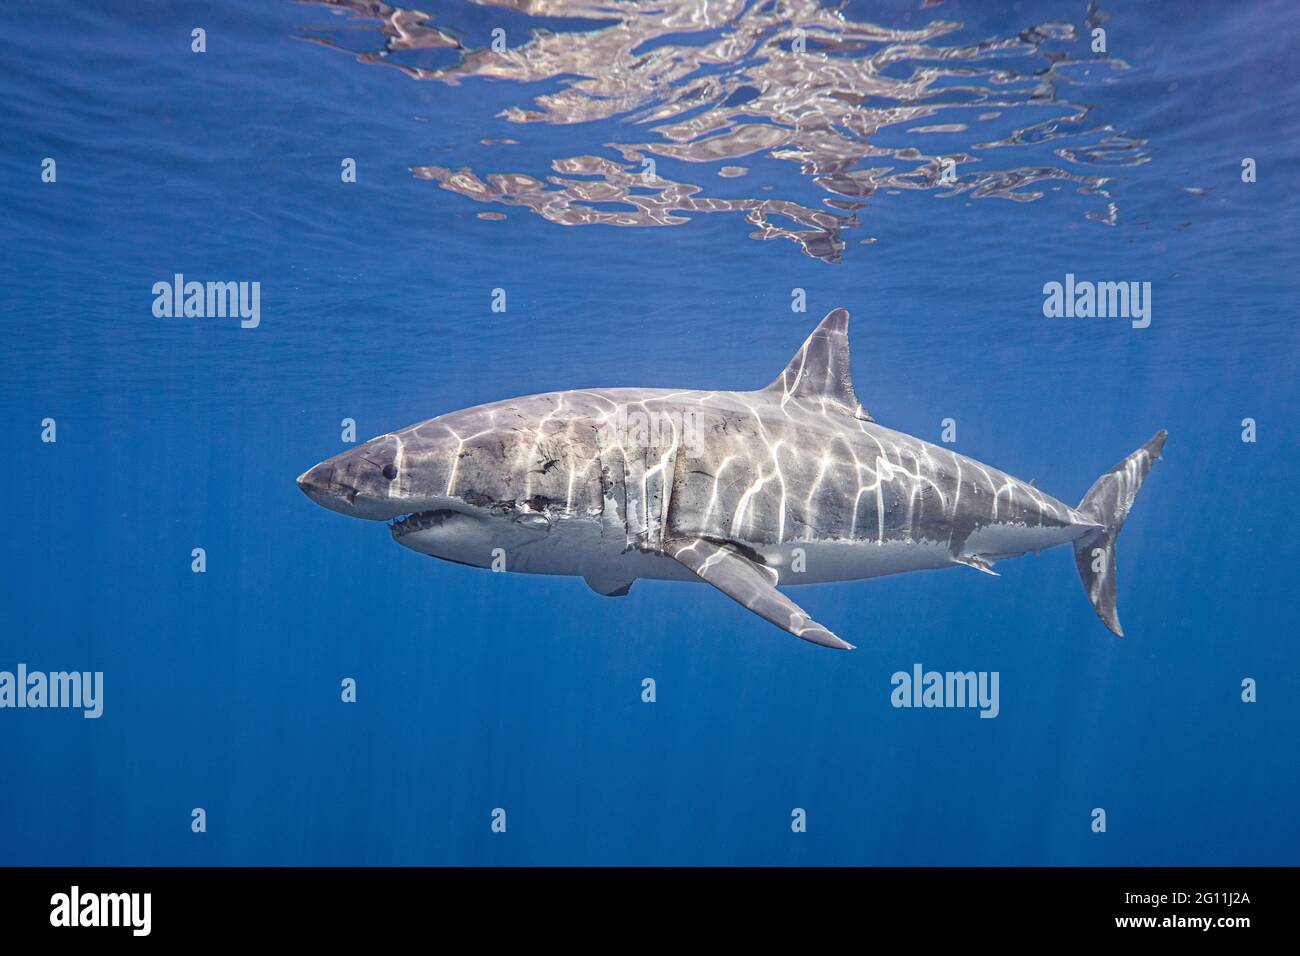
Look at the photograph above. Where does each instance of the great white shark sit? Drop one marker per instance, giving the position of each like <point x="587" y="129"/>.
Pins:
<point x="791" y="484"/>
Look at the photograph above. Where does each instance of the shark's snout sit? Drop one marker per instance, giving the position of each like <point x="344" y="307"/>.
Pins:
<point x="360" y="483"/>
<point x="320" y="484"/>
<point x="312" y="479"/>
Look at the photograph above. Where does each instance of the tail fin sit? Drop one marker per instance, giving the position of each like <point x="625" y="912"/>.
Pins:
<point x="1108" y="502"/>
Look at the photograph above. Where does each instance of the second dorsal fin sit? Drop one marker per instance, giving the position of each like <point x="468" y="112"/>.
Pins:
<point x="819" y="373"/>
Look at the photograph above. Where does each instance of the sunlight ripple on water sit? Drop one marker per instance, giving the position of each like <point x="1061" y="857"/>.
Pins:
<point x="709" y="83"/>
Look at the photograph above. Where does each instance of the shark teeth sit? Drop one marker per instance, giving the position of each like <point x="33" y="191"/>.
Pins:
<point x="416" y="521"/>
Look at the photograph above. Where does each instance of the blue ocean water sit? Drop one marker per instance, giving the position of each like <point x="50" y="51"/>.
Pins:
<point x="478" y="691"/>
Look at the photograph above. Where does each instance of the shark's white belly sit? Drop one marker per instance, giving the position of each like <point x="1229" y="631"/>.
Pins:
<point x="584" y="547"/>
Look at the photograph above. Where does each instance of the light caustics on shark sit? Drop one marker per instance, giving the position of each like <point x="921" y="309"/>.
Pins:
<point x="726" y="81"/>
<point x="792" y="484"/>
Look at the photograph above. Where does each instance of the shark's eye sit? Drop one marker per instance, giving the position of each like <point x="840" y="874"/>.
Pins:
<point x="390" y="472"/>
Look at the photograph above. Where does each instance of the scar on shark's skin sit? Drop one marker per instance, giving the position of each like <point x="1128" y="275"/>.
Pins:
<point x="794" y="483"/>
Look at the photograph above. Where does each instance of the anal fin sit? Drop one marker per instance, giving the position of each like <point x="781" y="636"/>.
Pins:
<point x="752" y="585"/>
<point x="607" y="584"/>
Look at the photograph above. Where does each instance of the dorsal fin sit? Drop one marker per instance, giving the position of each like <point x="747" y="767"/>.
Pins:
<point x="819" y="373"/>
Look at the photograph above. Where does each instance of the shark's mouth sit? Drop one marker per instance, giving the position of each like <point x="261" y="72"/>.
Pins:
<point x="419" y="521"/>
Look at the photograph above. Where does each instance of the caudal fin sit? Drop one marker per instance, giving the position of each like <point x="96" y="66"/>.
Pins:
<point x="1108" y="502"/>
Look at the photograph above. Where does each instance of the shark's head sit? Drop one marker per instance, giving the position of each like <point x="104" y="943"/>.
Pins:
<point x="456" y="487"/>
<point x="361" y="482"/>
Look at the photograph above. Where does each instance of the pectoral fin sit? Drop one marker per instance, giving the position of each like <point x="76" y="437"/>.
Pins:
<point x="753" y="585"/>
<point x="977" y="562"/>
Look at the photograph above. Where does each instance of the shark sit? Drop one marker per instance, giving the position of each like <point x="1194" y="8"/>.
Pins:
<point x="749" y="491"/>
